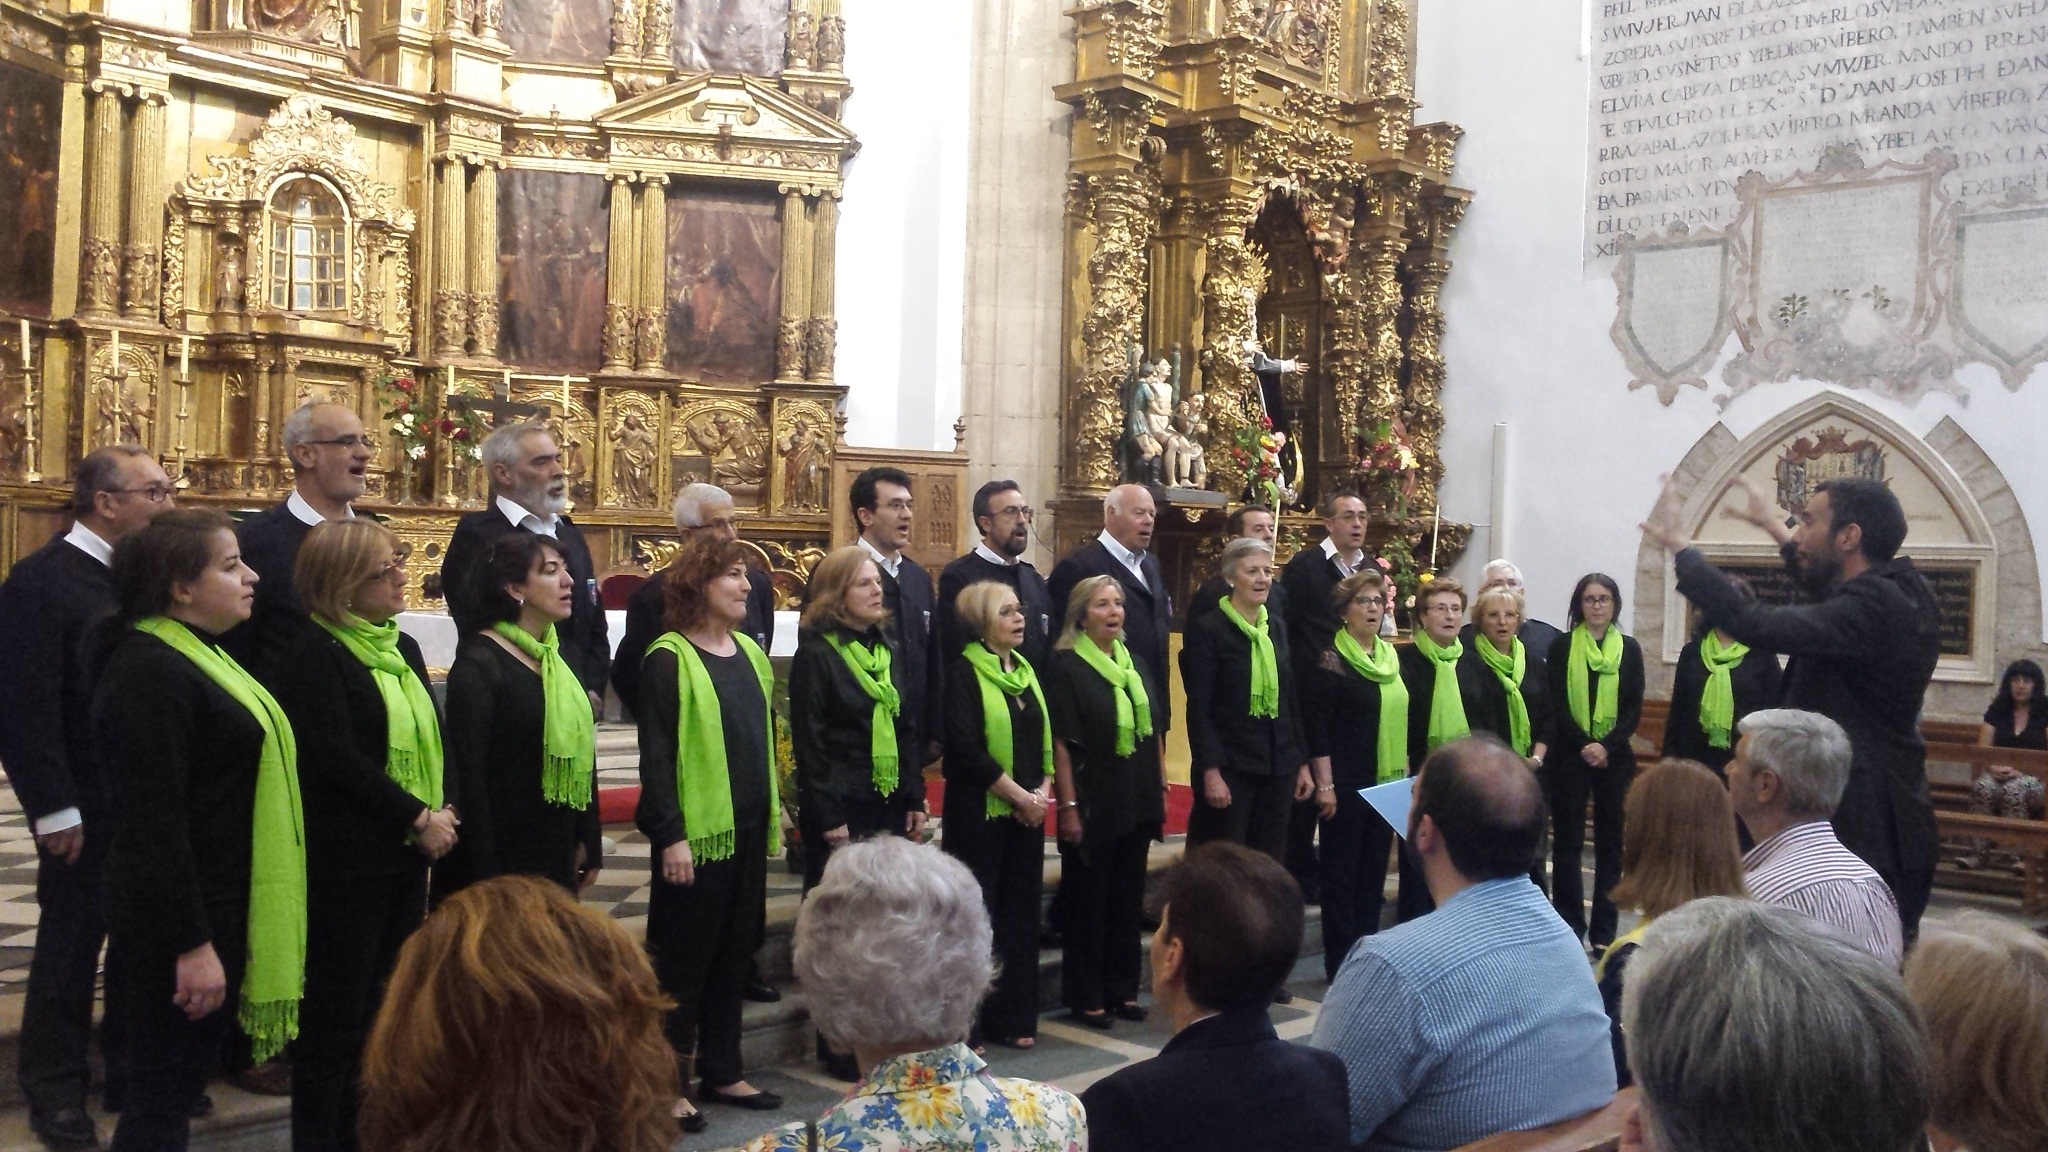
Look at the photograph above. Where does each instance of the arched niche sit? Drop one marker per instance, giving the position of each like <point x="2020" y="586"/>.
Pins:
<point x="1965" y="528"/>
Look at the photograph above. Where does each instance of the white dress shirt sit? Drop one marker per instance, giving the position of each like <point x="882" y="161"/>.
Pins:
<point x="298" y="507"/>
<point x="531" y="521"/>
<point x="1347" y="567"/>
<point x="94" y="545"/>
<point x="892" y="567"/>
<point x="995" y="557"/>
<point x="1135" y="561"/>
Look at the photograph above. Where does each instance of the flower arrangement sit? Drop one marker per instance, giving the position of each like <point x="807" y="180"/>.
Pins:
<point x="1256" y="453"/>
<point x="465" y="428"/>
<point x="1397" y="561"/>
<point x="401" y="398"/>
<point x="1389" y="465"/>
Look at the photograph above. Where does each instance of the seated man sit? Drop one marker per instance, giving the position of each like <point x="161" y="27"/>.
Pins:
<point x="1749" y="1029"/>
<point x="1789" y="771"/>
<point x="1481" y="1017"/>
<point x="1229" y="932"/>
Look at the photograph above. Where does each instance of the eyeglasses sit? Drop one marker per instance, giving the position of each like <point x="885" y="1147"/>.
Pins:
<point x="154" y="493"/>
<point x="1598" y="601"/>
<point x="350" y="442"/>
<point x="1368" y="601"/>
<point x="1022" y="512"/>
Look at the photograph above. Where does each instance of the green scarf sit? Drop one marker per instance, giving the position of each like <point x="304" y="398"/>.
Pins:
<point x="1509" y="668"/>
<point x="1717" y="700"/>
<point x="412" y="733"/>
<point x="703" y="776"/>
<point x="568" y="730"/>
<point x="1603" y="660"/>
<point x="1133" y="704"/>
<point x="1265" y="669"/>
<point x="997" y="686"/>
<point x="1446" y="705"/>
<point x="274" y="977"/>
<point x="870" y="666"/>
<point x="1383" y="667"/>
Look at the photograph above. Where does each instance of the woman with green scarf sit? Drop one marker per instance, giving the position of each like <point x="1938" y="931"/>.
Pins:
<point x="206" y="879"/>
<point x="1595" y="679"/>
<point x="709" y="810"/>
<point x="521" y="739"/>
<point x="1244" y="735"/>
<point x="1355" y="711"/>
<point x="370" y="762"/>
<point x="998" y="791"/>
<point x="1716" y="683"/>
<point x="1439" y="703"/>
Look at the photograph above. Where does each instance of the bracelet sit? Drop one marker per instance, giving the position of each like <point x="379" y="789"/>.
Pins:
<point x="1327" y="788"/>
<point x="1069" y="804"/>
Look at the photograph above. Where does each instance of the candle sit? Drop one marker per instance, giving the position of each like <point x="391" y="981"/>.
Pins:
<point x="25" y="365"/>
<point x="117" y="352"/>
<point x="565" y="405"/>
<point x="448" y="385"/>
<point x="508" y="382"/>
<point x="1436" y="530"/>
<point x="184" y="357"/>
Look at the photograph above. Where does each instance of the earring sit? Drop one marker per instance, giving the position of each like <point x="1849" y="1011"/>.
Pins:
<point x="518" y="601"/>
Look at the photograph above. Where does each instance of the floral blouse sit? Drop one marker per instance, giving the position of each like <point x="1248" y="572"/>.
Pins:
<point x="942" y="1100"/>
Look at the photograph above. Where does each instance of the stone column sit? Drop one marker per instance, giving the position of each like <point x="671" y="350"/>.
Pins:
<point x="796" y="285"/>
<point x="100" y="281"/>
<point x="483" y="262"/>
<point x="259" y="444"/>
<point x="821" y="330"/>
<point x="143" y="263"/>
<point x="650" y="342"/>
<point x="621" y="284"/>
<point x="451" y="288"/>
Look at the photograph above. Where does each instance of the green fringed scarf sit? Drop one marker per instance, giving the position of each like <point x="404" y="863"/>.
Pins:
<point x="997" y="687"/>
<point x="1265" y="668"/>
<point x="1133" y="704"/>
<point x="412" y="732"/>
<point x="569" y="730"/>
<point x="1604" y="660"/>
<point x="703" y="775"/>
<point x="870" y="667"/>
<point x="1382" y="667"/>
<point x="1717" y="700"/>
<point x="274" y="977"/>
<point x="1446" y="704"/>
<point x="1509" y="668"/>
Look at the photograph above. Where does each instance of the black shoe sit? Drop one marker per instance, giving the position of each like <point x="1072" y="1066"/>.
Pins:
<point x="64" y="1129"/>
<point x="1050" y="938"/>
<point x="1283" y="996"/>
<point x="1098" y="1019"/>
<point x="692" y="1122"/>
<point x="1131" y="1010"/>
<point x="753" y="1102"/>
<point x="270" y="1078"/>
<point x="842" y="1067"/>
<point x="203" y="1106"/>
<point x="760" y="993"/>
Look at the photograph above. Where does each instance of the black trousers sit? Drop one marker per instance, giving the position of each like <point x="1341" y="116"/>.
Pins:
<point x="354" y="929"/>
<point x="170" y="1058"/>
<point x="1105" y="901"/>
<point x="1256" y="817"/>
<point x="1567" y="787"/>
<point x="1302" y="821"/>
<point x="703" y="936"/>
<point x="1009" y="861"/>
<point x="56" y="1011"/>
<point x="1354" y="876"/>
<point x="872" y="818"/>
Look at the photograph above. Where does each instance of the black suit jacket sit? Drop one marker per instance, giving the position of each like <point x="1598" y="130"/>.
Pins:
<point x="1042" y="620"/>
<point x="1312" y="621"/>
<point x="51" y="608"/>
<point x="585" y="643"/>
<point x="270" y="543"/>
<point x="1148" y="613"/>
<point x="1567" y="739"/>
<point x="643" y="627"/>
<point x="1224" y="1084"/>
<point x="1216" y="670"/>
<point x="913" y="625"/>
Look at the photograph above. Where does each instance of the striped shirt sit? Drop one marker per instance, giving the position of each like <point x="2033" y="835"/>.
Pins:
<point x="1481" y="1017"/>
<point x="1807" y="869"/>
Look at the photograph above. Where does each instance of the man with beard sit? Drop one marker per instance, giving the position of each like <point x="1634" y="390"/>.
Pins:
<point x="529" y="490"/>
<point x="1862" y="656"/>
<point x="1004" y="520"/>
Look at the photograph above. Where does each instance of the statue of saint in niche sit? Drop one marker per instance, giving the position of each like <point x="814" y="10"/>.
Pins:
<point x="633" y="460"/>
<point x="803" y="466"/>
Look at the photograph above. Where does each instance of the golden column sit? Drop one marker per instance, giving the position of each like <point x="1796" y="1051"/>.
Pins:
<point x="651" y="321"/>
<point x="483" y="261"/>
<point x="451" y="294"/>
<point x="821" y="330"/>
<point x="621" y="277"/>
<point x="144" y="277"/>
<point x="796" y="285"/>
<point x="1428" y="263"/>
<point x="101" y="276"/>
<point x="1383" y="220"/>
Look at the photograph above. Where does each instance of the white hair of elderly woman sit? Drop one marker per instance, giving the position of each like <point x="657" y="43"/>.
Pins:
<point x="893" y="947"/>
<point x="1235" y="552"/>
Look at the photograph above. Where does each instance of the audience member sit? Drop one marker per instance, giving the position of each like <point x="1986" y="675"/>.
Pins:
<point x="519" y="1021"/>
<point x="1229" y="932"/>
<point x="521" y="740"/>
<point x="1244" y="724"/>
<point x="1596" y="700"/>
<point x="370" y="775"/>
<point x="51" y="608"/>
<point x="1436" y="705"/>
<point x="1254" y="521"/>
<point x="893" y="950"/>
<point x="999" y="779"/>
<point x="1681" y="846"/>
<point x="1748" y="1029"/>
<point x="1862" y="655"/>
<point x="1481" y="1017"/>
<point x="1716" y="683"/>
<point x="1003" y="517"/>
<point x="1789" y="771"/>
<point x="1121" y="552"/>
<point x="1536" y="635"/>
<point x="710" y="814"/>
<point x="1981" y="985"/>
<point x="1110" y="779"/>
<point x="882" y="510"/>
<point x="2018" y="716"/>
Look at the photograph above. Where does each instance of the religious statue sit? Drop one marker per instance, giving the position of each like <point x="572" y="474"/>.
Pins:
<point x="734" y="450"/>
<point x="124" y="409"/>
<point x="1281" y="24"/>
<point x="1275" y="455"/>
<point x="802" y="41"/>
<point x="227" y="295"/>
<point x="633" y="459"/>
<point x="1186" y="466"/>
<point x="803" y="466"/>
<point x="1273" y="400"/>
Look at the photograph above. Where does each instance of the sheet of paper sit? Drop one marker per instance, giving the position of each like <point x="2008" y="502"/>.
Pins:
<point x="1391" y="800"/>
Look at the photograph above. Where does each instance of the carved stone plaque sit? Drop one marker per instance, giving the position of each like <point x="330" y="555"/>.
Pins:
<point x="2001" y="291"/>
<point x="1676" y="308"/>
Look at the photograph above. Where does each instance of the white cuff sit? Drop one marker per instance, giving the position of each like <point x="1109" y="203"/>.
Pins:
<point x="59" y="821"/>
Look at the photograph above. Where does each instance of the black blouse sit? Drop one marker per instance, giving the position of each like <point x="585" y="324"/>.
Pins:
<point x="743" y="718"/>
<point x="496" y="751"/>
<point x="970" y="766"/>
<point x="1117" y="794"/>
<point x="1567" y="740"/>
<point x="831" y="724"/>
<point x="1755" y="681"/>
<point x="1341" y="716"/>
<point x="1418" y="672"/>
<point x="1216" y="671"/>
<point x="2034" y="735"/>
<point x="1486" y="700"/>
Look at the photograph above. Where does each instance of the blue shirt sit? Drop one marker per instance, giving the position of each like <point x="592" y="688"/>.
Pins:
<point x="1481" y="1017"/>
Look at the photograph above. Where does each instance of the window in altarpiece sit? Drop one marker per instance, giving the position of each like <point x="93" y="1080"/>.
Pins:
<point x="308" y="249"/>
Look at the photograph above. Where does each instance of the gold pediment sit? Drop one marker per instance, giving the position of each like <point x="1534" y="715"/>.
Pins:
<point x="726" y="125"/>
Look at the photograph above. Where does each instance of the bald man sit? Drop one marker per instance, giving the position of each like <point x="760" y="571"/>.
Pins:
<point x="1123" y="551"/>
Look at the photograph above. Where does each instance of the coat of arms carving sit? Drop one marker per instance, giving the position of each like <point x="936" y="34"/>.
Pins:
<point x="1826" y="455"/>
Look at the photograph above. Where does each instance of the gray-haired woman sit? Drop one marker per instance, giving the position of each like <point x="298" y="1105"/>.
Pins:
<point x="892" y="948"/>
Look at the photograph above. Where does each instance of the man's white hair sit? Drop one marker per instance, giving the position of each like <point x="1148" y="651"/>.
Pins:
<point x="1113" y="503"/>
<point x="298" y="427"/>
<point x="503" y="445"/>
<point x="693" y="500"/>
<point x="1500" y="568"/>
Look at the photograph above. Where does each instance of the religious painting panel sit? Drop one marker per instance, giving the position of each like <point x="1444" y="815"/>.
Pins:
<point x="723" y="284"/>
<point x="560" y="31"/>
<point x="553" y="241"/>
<point x="31" y="114"/>
<point x="722" y="442"/>
<point x="745" y="36"/>
<point x="632" y="450"/>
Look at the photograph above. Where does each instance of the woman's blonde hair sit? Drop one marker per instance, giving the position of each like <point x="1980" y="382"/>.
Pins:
<point x="519" y="1021"/>
<point x="981" y="604"/>
<point x="1077" y="608"/>
<point x="1981" y="984"/>
<point x="830" y="582"/>
<point x="1441" y="586"/>
<point x="336" y="558"/>
<point x="1681" y="840"/>
<point x="1494" y="593"/>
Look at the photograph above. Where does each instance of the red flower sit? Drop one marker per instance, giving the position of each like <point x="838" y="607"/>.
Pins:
<point x="462" y="434"/>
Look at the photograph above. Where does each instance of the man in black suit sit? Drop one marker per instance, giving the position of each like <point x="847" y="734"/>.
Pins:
<point x="882" y="510"/>
<point x="330" y="460"/>
<point x="529" y="490"/>
<point x="1229" y="933"/>
<point x="1121" y="552"/>
<point x="51" y="609"/>
<point x="1003" y="518"/>
<point x="1536" y="636"/>
<point x="1254" y="522"/>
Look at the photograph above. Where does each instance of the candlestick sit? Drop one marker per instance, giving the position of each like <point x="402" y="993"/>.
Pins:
<point x="30" y="396"/>
<point x="25" y="358"/>
<point x="1436" y="530"/>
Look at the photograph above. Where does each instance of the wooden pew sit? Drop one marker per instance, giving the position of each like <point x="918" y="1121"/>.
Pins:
<point x="2028" y="839"/>
<point x="1594" y="1132"/>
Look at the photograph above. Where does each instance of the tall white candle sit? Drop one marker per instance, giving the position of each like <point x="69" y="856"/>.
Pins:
<point x="1436" y="530"/>
<point x="117" y="351"/>
<point x="25" y="364"/>
<point x="565" y="405"/>
<point x="184" y="357"/>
